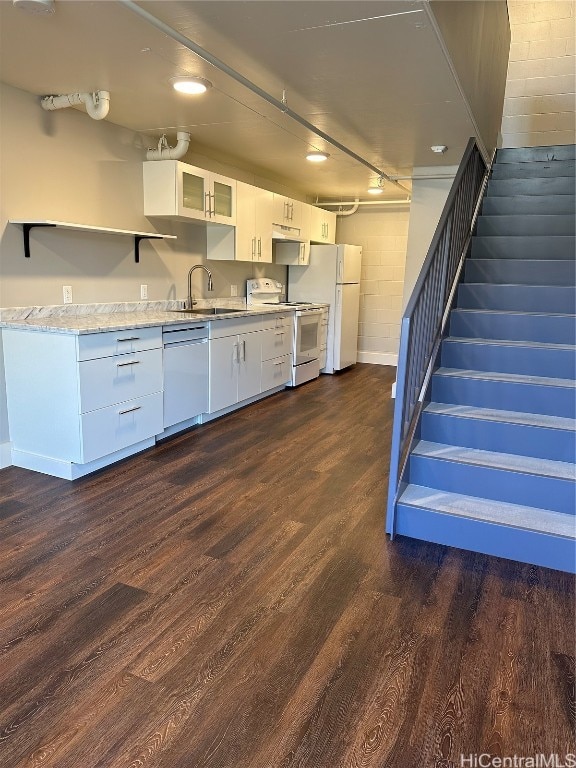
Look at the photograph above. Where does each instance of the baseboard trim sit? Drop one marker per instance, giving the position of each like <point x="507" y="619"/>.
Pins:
<point x="378" y="358"/>
<point x="5" y="455"/>
<point x="207" y="417"/>
<point x="68" y="470"/>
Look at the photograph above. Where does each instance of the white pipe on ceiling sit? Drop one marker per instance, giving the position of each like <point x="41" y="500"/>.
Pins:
<point x="97" y="104"/>
<point x="166" y="152"/>
<point x="356" y="203"/>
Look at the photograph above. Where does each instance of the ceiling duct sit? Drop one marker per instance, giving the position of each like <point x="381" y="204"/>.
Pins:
<point x="166" y="152"/>
<point x="97" y="104"/>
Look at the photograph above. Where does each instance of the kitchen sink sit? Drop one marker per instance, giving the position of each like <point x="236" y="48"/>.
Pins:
<point x="207" y="311"/>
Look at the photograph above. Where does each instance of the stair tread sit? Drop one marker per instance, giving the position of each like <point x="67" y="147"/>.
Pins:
<point x="517" y="378"/>
<point x="503" y="216"/>
<point x="504" y="513"/>
<point x="509" y="342"/>
<point x="521" y="286"/>
<point x="511" y="417"/>
<point x="494" y="460"/>
<point x="482" y="311"/>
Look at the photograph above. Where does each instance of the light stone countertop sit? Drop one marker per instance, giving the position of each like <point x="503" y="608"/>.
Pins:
<point x="99" y="322"/>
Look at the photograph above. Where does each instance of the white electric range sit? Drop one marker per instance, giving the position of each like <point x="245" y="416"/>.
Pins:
<point x="306" y="328"/>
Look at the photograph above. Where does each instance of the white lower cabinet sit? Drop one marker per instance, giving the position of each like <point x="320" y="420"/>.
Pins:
<point x="110" y="380"/>
<point x="276" y="373"/>
<point x="235" y="371"/>
<point x="244" y="357"/>
<point x="110" y="429"/>
<point x="277" y="353"/>
<point x="80" y="408"/>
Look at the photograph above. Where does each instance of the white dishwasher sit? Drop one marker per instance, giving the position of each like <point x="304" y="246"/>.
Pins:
<point x="185" y="372"/>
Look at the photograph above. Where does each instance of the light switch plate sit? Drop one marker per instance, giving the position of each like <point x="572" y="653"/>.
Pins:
<point x="67" y="294"/>
<point x="143" y="291"/>
<point x="233" y="290"/>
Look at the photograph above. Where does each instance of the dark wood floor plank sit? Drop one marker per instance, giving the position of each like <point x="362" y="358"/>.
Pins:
<point x="228" y="599"/>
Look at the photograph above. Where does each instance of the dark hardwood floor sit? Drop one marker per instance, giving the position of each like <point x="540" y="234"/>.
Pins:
<point x="228" y="599"/>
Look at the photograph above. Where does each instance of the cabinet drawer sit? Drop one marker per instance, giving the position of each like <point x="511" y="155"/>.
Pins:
<point x="276" y="372"/>
<point x="221" y="328"/>
<point x="276" y="343"/>
<point x="110" y="380"/>
<point x="283" y="320"/>
<point x="118" y="426"/>
<point x="94" y="345"/>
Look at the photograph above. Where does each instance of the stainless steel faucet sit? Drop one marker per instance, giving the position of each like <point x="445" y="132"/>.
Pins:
<point x="190" y="299"/>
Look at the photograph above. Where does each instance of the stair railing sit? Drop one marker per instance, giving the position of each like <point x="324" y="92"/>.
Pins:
<point x="427" y="311"/>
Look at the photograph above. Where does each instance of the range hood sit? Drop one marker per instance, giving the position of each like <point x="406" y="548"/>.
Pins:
<point x="286" y="234"/>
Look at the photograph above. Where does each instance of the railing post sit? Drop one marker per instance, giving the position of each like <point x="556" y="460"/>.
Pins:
<point x="398" y="425"/>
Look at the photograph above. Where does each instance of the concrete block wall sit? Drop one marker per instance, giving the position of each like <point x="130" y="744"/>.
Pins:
<point x="540" y="101"/>
<point x="383" y="234"/>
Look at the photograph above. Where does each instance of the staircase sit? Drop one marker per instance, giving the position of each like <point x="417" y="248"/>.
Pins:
<point x="493" y="468"/>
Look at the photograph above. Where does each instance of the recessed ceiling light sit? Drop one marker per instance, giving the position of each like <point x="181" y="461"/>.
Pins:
<point x="375" y="190"/>
<point x="190" y="85"/>
<point x="439" y="149"/>
<point x="317" y="157"/>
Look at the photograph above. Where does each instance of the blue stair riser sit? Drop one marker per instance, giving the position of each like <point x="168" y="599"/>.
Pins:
<point x="536" y="154"/>
<point x="540" y="170"/>
<point x="560" y="185"/>
<point x="521" y="225"/>
<point x="538" y="247"/>
<point x="504" y="395"/>
<point x="489" y="538"/>
<point x="503" y="358"/>
<point x="511" y="271"/>
<point x="510" y="206"/>
<point x="556" y="329"/>
<point x="556" y="494"/>
<point x="503" y="437"/>
<point x="517" y="298"/>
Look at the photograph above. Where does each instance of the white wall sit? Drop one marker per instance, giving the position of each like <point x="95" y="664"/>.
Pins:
<point x="382" y="233"/>
<point x="428" y="199"/>
<point x="539" y="106"/>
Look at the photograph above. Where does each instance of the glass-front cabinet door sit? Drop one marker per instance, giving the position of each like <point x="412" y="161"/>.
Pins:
<point x="222" y="199"/>
<point x="194" y="193"/>
<point x="177" y="190"/>
<point x="205" y="195"/>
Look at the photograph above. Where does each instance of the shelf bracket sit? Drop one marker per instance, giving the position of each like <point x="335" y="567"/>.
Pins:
<point x="26" y="234"/>
<point x="137" y="239"/>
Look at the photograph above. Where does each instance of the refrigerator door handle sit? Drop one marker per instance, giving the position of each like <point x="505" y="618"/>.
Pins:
<point x="340" y="265"/>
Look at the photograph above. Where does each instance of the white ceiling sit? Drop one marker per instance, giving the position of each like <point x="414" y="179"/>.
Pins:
<point x="380" y="86"/>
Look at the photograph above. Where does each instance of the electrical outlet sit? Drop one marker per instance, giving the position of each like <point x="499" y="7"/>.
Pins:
<point x="67" y="294"/>
<point x="233" y="290"/>
<point x="143" y="291"/>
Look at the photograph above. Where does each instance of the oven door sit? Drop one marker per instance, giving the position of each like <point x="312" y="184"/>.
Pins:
<point x="306" y="336"/>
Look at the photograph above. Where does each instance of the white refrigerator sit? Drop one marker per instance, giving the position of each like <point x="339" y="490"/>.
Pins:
<point x="332" y="277"/>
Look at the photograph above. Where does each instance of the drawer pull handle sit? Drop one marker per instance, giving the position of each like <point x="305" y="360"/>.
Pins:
<point x="131" y="362"/>
<point x="279" y="333"/>
<point x="131" y="338"/>
<point x="278" y="363"/>
<point x="129" y="410"/>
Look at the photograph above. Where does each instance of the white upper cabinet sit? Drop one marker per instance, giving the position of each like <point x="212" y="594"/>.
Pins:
<point x="178" y="190"/>
<point x="287" y="212"/>
<point x="253" y="224"/>
<point x="322" y="225"/>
